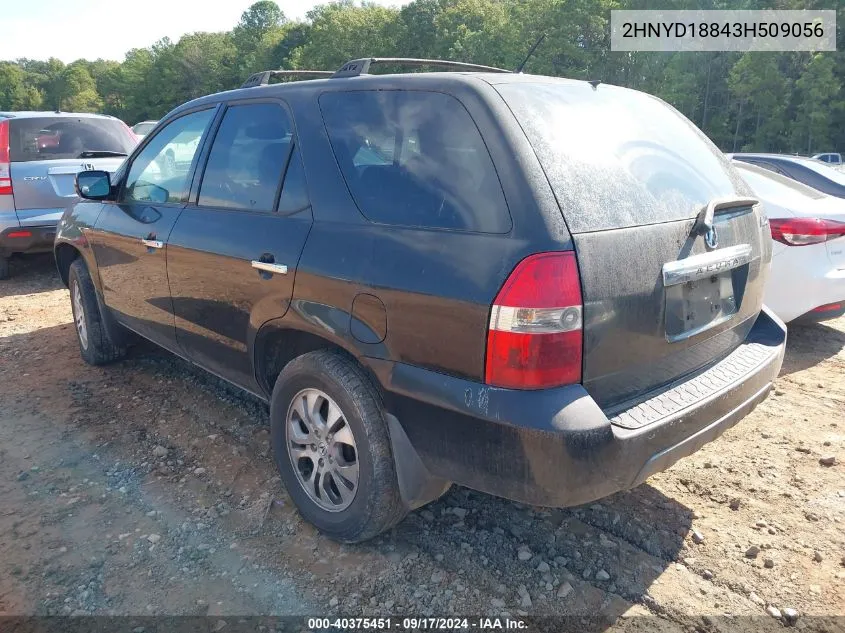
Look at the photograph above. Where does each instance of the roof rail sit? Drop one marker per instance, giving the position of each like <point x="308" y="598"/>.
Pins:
<point x="263" y="78"/>
<point x="361" y="66"/>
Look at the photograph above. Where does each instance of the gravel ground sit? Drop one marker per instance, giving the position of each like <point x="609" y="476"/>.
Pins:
<point x="147" y="488"/>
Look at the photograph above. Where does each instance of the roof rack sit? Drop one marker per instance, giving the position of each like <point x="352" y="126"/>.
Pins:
<point x="361" y="66"/>
<point x="263" y="78"/>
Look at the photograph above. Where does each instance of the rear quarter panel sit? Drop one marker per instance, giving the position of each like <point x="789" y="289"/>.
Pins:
<point x="74" y="230"/>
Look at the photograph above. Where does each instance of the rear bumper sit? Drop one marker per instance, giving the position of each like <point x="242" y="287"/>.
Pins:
<point x="802" y="279"/>
<point x="557" y="447"/>
<point x="27" y="239"/>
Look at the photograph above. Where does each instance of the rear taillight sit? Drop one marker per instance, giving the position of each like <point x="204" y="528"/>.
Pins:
<point x="828" y="307"/>
<point x="535" y="336"/>
<point x="805" y="231"/>
<point x="5" y="161"/>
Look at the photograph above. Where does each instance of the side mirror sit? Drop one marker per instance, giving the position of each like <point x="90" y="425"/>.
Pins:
<point x="93" y="185"/>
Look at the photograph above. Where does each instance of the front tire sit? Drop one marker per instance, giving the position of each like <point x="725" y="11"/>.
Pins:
<point x="95" y="345"/>
<point x="332" y="447"/>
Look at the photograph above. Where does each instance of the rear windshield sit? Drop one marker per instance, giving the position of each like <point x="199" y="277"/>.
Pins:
<point x="51" y="138"/>
<point x="772" y="186"/>
<point x="822" y="170"/>
<point x="617" y="158"/>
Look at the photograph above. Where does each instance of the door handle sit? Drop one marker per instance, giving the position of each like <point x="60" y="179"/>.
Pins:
<point x="152" y="243"/>
<point x="269" y="267"/>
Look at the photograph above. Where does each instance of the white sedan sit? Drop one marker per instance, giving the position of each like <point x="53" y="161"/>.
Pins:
<point x="808" y="233"/>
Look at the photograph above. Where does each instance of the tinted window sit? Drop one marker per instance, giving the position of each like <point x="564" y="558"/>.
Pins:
<point x="160" y="172"/>
<point x="618" y="158"/>
<point x="294" y="192"/>
<point x="415" y="159"/>
<point x="49" y="138"/>
<point x="247" y="158"/>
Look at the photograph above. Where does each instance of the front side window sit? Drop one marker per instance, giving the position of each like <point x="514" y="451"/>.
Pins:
<point x="415" y="158"/>
<point x="247" y="159"/>
<point x="160" y="172"/>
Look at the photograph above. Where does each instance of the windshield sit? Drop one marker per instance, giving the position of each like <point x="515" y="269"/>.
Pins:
<point x="618" y="158"/>
<point x="142" y="129"/>
<point x="779" y="189"/>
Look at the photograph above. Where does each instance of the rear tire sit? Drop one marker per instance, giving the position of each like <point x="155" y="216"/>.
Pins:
<point x="95" y="345"/>
<point x="4" y="267"/>
<point x="341" y="437"/>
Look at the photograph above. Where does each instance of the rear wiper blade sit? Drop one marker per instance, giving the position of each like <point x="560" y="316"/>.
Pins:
<point x="101" y="153"/>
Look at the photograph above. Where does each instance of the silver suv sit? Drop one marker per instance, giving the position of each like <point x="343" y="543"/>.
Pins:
<point x="40" y="155"/>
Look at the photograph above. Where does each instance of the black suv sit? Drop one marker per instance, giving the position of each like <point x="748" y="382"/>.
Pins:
<point x="538" y="288"/>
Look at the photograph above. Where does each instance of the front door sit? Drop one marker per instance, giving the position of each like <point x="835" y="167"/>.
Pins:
<point x="231" y="258"/>
<point x="130" y="236"/>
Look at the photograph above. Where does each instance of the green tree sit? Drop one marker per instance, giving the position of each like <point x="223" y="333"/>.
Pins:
<point x="816" y="91"/>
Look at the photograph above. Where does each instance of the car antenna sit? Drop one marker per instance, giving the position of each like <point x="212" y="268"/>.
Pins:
<point x="530" y="53"/>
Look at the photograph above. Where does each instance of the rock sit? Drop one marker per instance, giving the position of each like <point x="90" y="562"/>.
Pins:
<point x="803" y="449"/>
<point x="768" y="563"/>
<point x="773" y="611"/>
<point x="160" y="452"/>
<point x="790" y="615"/>
<point x="199" y="471"/>
<point x="524" y="554"/>
<point x="543" y="567"/>
<point x="779" y="392"/>
<point x="564" y="590"/>
<point x="817" y="556"/>
<point x="697" y="537"/>
<point x="756" y="599"/>
<point x="437" y="577"/>
<point x="334" y="602"/>
<point x="602" y="575"/>
<point x="735" y="503"/>
<point x="752" y="552"/>
<point x="524" y="597"/>
<point x="461" y="513"/>
<point x="811" y="516"/>
<point x="827" y="460"/>
<point x="154" y="538"/>
<point x="23" y="476"/>
<point x="498" y="603"/>
<point x="707" y="574"/>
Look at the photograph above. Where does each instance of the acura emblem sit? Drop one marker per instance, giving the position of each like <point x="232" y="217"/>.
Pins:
<point x="711" y="238"/>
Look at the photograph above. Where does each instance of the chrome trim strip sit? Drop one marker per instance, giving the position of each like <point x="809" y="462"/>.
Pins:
<point x="706" y="264"/>
<point x="267" y="267"/>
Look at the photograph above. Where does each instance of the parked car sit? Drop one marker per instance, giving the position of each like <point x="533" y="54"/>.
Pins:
<point x="814" y="173"/>
<point x="830" y="158"/>
<point x="142" y="128"/>
<point x="40" y="155"/>
<point x="808" y="263"/>
<point x="542" y="289"/>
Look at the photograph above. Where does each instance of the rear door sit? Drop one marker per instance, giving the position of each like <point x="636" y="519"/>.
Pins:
<point x="46" y="154"/>
<point x="130" y="236"/>
<point x="633" y="179"/>
<point x="231" y="258"/>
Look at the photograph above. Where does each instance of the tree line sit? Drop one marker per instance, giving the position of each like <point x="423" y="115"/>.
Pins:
<point x="780" y="102"/>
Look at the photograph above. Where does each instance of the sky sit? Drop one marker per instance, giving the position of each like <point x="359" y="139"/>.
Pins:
<point x="91" y="29"/>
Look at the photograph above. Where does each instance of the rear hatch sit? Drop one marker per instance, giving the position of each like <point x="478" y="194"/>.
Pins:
<point x="46" y="154"/>
<point x="633" y="179"/>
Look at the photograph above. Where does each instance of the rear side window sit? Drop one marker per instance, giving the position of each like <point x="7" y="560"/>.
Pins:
<point x="415" y="158"/>
<point x="51" y="138"/>
<point x="247" y="159"/>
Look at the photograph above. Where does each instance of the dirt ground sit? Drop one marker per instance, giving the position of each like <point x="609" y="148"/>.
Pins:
<point x="147" y="487"/>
